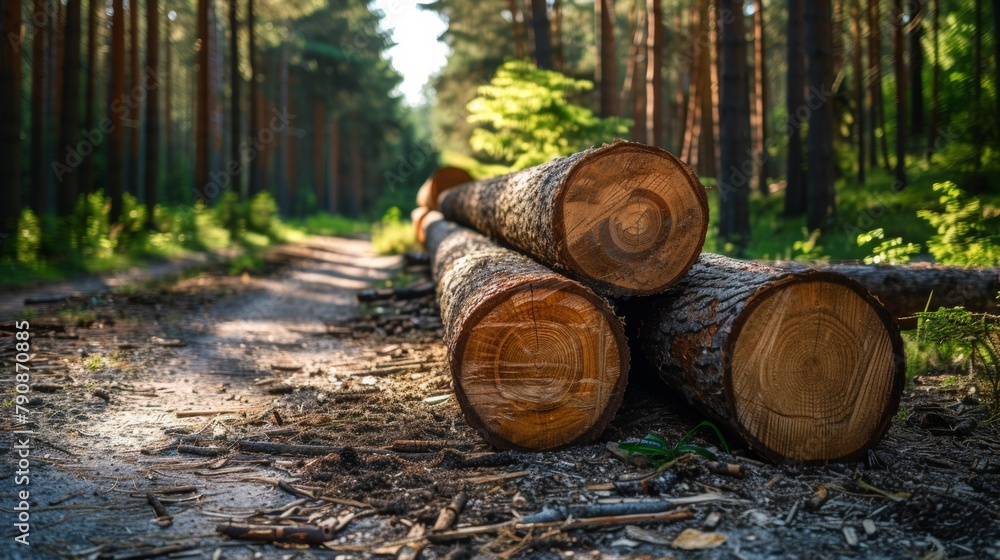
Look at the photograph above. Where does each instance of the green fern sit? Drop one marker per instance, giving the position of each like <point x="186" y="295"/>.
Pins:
<point x="658" y="451"/>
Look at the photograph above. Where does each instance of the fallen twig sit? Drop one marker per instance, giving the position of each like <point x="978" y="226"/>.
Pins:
<point x="297" y="534"/>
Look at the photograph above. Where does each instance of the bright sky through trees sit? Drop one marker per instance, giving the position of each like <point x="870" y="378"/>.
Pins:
<point x="417" y="54"/>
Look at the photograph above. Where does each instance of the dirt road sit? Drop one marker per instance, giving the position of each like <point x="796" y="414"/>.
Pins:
<point x="173" y="392"/>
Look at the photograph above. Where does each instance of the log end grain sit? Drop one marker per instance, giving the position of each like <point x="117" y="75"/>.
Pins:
<point x="631" y="217"/>
<point x="417" y="218"/>
<point x="541" y="365"/>
<point x="443" y="179"/>
<point x="814" y="369"/>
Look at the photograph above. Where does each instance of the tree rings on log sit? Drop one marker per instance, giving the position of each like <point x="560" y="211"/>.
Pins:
<point x="805" y="366"/>
<point x="624" y="219"/>
<point x="538" y="361"/>
<point x="442" y="180"/>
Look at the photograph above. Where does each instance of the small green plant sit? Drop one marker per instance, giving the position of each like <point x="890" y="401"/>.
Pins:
<point x="524" y="116"/>
<point x="968" y="233"/>
<point x="95" y="362"/>
<point x="888" y="251"/>
<point x="977" y="336"/>
<point x="658" y="451"/>
<point x="392" y="235"/>
<point x="262" y="214"/>
<point x="808" y="248"/>
<point x="29" y="238"/>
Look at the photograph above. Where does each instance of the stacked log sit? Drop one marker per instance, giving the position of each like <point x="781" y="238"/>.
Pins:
<point x="624" y="219"/>
<point x="804" y="365"/>
<point x="443" y="179"/>
<point x="538" y="361"/>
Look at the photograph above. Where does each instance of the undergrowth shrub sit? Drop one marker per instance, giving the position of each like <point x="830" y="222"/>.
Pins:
<point x="970" y="339"/>
<point x="968" y="232"/>
<point x="392" y="235"/>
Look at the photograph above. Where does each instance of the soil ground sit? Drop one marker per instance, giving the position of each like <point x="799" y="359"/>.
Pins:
<point x="123" y="381"/>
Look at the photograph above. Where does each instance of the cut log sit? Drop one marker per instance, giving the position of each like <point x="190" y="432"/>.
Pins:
<point x="804" y="365"/>
<point x="538" y="361"/>
<point x="905" y="290"/>
<point x="624" y="219"/>
<point x="417" y="219"/>
<point x="443" y="179"/>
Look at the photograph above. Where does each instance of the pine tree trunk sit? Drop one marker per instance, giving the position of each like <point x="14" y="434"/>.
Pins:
<point x="235" y="101"/>
<point x="116" y="147"/>
<point x="806" y="366"/>
<point x="713" y="149"/>
<point x="319" y="151"/>
<point x="256" y="164"/>
<point x="10" y="113"/>
<point x="638" y="78"/>
<point x="977" y="84"/>
<point x="94" y="9"/>
<point x="760" y="98"/>
<point x="916" y="72"/>
<point x="202" y="117"/>
<point x="515" y="30"/>
<point x="281" y="142"/>
<point x="821" y="160"/>
<point x="537" y="361"/>
<point x="624" y="219"/>
<point x="654" y="77"/>
<point x="699" y="54"/>
<point x="936" y="84"/>
<point x="900" y="69"/>
<point x="734" y="129"/>
<point x="333" y="183"/>
<point x="878" y="99"/>
<point x="558" y="51"/>
<point x="168" y="122"/>
<point x="39" y="86"/>
<point x="132" y="180"/>
<point x="542" y="33"/>
<point x="859" y="89"/>
<point x="357" y="187"/>
<point x="152" y="111"/>
<point x="607" y="73"/>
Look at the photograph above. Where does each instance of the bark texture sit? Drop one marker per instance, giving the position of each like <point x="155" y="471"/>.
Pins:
<point x="538" y="360"/>
<point x="625" y="218"/>
<point x="905" y="290"/>
<point x="804" y="365"/>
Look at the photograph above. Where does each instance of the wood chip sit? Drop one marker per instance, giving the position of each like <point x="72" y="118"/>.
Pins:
<point x="851" y="536"/>
<point x="693" y="539"/>
<point x="869" y="526"/>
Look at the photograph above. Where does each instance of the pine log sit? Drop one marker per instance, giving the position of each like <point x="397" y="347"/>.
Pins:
<point x="538" y="361"/>
<point x="906" y="290"/>
<point x="443" y="179"/>
<point x="804" y="365"/>
<point x="417" y="217"/>
<point x="624" y="219"/>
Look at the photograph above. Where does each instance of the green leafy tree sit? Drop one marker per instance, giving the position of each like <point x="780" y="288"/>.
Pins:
<point x="525" y="117"/>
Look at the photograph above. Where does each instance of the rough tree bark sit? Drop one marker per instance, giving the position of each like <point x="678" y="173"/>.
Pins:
<point x="624" y="218"/>
<point x="806" y="366"/>
<point x="908" y="290"/>
<point x="10" y="113"/>
<point x="443" y="179"/>
<point x="538" y="360"/>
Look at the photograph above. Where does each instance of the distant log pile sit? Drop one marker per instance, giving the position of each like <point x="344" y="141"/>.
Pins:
<point x="805" y="365"/>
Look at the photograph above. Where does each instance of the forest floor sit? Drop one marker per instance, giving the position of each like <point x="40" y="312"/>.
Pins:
<point x="167" y="390"/>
